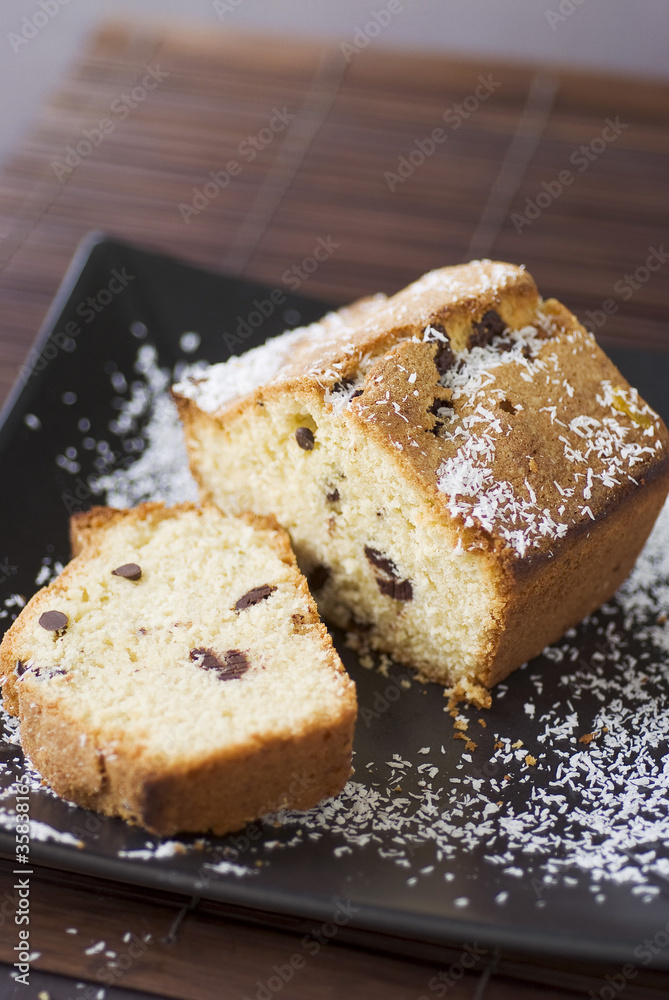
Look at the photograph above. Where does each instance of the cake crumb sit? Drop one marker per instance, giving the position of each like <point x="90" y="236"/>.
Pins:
<point x="469" y="744"/>
<point x="530" y="760"/>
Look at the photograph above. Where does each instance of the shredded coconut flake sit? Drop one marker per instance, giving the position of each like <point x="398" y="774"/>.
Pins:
<point x="479" y="497"/>
<point x="601" y="814"/>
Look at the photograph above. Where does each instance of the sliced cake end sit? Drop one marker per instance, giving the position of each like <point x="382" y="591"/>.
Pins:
<point x="177" y="673"/>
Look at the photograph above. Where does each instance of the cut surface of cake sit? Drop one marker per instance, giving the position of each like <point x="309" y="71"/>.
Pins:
<point x="463" y="472"/>
<point x="177" y="673"/>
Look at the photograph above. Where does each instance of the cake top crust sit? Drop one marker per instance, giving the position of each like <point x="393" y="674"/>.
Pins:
<point x="334" y="348"/>
<point x="499" y="406"/>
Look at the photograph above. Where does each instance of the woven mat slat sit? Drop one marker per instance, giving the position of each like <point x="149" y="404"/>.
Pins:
<point x="324" y="175"/>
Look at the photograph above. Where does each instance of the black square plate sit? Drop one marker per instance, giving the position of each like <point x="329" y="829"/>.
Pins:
<point x="533" y="840"/>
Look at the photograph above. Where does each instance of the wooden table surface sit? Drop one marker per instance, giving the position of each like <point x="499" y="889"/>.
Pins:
<point x="312" y="147"/>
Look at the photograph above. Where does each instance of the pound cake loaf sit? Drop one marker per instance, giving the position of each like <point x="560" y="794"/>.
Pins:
<point x="463" y="472"/>
<point x="177" y="673"/>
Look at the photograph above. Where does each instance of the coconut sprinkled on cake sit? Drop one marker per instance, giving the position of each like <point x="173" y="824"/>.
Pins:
<point x="602" y="447"/>
<point x="214" y="387"/>
<point x="317" y="350"/>
<point x="600" y="744"/>
<point x="477" y="495"/>
<point x="598" y="813"/>
<point x="489" y="275"/>
<point x="603" y="801"/>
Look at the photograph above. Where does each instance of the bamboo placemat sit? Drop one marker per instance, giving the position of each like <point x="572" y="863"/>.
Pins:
<point x="343" y="166"/>
<point x="355" y="126"/>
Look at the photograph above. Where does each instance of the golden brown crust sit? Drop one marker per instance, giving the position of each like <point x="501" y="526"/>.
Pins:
<point x="277" y="774"/>
<point x="119" y="777"/>
<point x="399" y="418"/>
<point x="542" y="604"/>
<point x="455" y="297"/>
<point x="220" y="794"/>
<point x="329" y="351"/>
<point x="534" y="452"/>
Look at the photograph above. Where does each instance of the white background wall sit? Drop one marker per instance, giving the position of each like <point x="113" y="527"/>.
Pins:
<point x="625" y="36"/>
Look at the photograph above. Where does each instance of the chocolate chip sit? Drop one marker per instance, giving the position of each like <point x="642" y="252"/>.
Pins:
<point x="42" y="673"/>
<point x="205" y="658"/>
<point x="298" y="621"/>
<point x="332" y="496"/>
<point x="305" y="438"/>
<point x="381" y="562"/>
<point x="399" y="590"/>
<point x="439" y="404"/>
<point x="318" y="577"/>
<point x="491" y="325"/>
<point x="236" y="664"/>
<point x="254" y="596"/>
<point x="231" y="666"/>
<point x="358" y="392"/>
<point x="505" y="405"/>
<point x="49" y="672"/>
<point x="129" y="571"/>
<point x="53" y="621"/>
<point x="444" y="358"/>
<point x="342" y="386"/>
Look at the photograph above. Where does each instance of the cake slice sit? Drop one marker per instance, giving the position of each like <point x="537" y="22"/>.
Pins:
<point x="177" y="673"/>
<point x="463" y="472"/>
